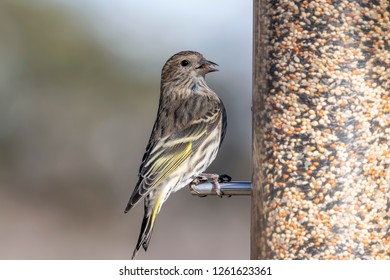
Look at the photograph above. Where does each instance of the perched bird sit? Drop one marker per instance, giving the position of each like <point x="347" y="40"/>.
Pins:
<point x="186" y="136"/>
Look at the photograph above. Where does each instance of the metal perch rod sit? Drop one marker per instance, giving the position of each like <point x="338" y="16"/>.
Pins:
<point x="228" y="188"/>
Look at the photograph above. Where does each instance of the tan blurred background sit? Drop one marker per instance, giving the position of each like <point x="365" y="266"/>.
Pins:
<point x="79" y="88"/>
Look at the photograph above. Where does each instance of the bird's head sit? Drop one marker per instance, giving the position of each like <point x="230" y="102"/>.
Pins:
<point x="185" y="65"/>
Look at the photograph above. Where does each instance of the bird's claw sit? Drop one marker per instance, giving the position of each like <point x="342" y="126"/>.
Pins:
<point x="198" y="180"/>
<point x="217" y="186"/>
<point x="223" y="178"/>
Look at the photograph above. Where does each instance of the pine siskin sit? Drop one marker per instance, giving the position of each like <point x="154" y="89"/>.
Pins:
<point x="187" y="133"/>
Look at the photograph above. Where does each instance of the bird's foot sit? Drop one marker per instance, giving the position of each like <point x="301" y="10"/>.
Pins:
<point x="216" y="179"/>
<point x="198" y="180"/>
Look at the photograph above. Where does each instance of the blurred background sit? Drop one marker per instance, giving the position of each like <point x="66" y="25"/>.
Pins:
<point x="79" y="89"/>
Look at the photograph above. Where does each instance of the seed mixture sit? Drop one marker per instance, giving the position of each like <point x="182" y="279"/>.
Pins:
<point x="326" y="130"/>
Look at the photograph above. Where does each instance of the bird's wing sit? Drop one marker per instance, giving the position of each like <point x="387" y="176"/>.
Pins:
<point x="165" y="155"/>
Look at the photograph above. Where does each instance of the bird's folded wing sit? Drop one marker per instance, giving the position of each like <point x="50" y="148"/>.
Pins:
<point x="163" y="157"/>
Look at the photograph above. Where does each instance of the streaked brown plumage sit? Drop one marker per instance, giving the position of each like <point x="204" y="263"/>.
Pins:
<point x="188" y="131"/>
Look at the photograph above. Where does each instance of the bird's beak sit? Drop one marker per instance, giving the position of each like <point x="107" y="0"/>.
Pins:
<point x="207" y="66"/>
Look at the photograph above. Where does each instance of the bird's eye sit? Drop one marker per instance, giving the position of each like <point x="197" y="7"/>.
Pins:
<point x="184" y="63"/>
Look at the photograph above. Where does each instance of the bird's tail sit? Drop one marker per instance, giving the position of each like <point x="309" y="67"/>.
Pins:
<point x="147" y="225"/>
